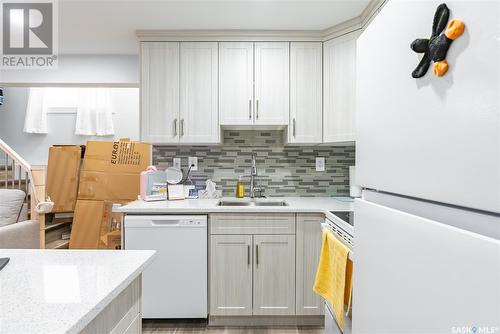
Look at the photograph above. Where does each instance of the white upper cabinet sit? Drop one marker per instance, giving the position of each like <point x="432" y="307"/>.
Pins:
<point x="339" y="74"/>
<point x="272" y="83"/>
<point x="190" y="89"/>
<point x="179" y="93"/>
<point x="236" y="83"/>
<point x="305" y="93"/>
<point x="199" y="121"/>
<point x="159" y="92"/>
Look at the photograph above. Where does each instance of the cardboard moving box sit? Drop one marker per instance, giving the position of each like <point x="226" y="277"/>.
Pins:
<point x="62" y="176"/>
<point x="96" y="226"/>
<point x="111" y="170"/>
<point x="110" y="174"/>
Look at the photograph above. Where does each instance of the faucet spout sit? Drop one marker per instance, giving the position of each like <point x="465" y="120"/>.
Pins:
<point x="253" y="174"/>
<point x="253" y="170"/>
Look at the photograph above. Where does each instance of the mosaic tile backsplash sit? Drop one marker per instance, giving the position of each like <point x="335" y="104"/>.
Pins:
<point x="283" y="170"/>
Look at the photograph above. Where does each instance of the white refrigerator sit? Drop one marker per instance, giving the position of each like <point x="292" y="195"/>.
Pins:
<point x="427" y="229"/>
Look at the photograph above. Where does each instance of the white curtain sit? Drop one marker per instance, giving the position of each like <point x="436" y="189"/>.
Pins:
<point x="35" y="120"/>
<point x="93" y="107"/>
<point x="94" y="113"/>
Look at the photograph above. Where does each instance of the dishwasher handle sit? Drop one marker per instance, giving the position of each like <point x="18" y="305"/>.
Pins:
<point x="175" y="223"/>
<point x="165" y="222"/>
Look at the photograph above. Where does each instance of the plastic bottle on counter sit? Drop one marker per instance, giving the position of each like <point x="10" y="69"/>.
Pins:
<point x="240" y="188"/>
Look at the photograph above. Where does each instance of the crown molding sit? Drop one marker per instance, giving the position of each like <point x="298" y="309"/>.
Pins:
<point x="236" y="35"/>
<point x="228" y="35"/>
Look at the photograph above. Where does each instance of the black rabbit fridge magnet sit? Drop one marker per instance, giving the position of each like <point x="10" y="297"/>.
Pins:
<point x="436" y="47"/>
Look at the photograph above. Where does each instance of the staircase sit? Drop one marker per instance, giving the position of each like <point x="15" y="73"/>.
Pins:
<point x="17" y="173"/>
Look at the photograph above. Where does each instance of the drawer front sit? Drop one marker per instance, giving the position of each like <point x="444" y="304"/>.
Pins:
<point x="265" y="223"/>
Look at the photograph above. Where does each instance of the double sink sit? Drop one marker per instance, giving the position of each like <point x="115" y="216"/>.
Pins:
<point x="253" y="202"/>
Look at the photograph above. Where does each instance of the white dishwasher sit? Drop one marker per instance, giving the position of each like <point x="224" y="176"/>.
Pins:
<point x="174" y="285"/>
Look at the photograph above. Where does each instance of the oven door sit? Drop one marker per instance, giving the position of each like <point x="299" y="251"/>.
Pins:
<point x="331" y="326"/>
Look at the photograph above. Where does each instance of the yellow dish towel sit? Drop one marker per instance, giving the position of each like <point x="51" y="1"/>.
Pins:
<point x="334" y="276"/>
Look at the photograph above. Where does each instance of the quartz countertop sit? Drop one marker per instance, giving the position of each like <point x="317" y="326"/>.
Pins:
<point x="61" y="291"/>
<point x="203" y="206"/>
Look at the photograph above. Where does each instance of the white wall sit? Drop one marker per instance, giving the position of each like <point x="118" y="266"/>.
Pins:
<point x="34" y="147"/>
<point x="81" y="69"/>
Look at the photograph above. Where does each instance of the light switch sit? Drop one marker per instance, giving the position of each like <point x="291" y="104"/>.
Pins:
<point x="320" y="164"/>
<point x="177" y="163"/>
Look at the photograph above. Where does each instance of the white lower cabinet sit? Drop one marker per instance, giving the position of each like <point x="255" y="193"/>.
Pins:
<point x="308" y="252"/>
<point x="230" y="274"/>
<point x="264" y="264"/>
<point x="274" y="275"/>
<point x="252" y="273"/>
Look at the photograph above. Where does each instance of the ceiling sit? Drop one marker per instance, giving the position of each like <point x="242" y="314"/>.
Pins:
<point x="108" y="27"/>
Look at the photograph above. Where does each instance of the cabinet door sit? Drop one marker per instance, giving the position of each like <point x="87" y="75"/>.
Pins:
<point x="308" y="251"/>
<point x="230" y="275"/>
<point x="236" y="83"/>
<point x="339" y="61"/>
<point x="199" y="121"/>
<point x="272" y="83"/>
<point x="159" y="92"/>
<point x="305" y="93"/>
<point x="274" y="275"/>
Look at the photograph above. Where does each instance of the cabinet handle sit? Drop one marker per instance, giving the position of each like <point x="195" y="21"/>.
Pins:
<point x="175" y="127"/>
<point x="294" y="127"/>
<point x="257" y="109"/>
<point x="249" y="109"/>
<point x="248" y="254"/>
<point x="182" y="127"/>
<point x="257" y="255"/>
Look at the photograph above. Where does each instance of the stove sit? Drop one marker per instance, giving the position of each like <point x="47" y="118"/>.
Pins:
<point x="342" y="224"/>
<point x="346" y="216"/>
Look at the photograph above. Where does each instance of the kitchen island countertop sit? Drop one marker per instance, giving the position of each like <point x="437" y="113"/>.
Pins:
<point x="62" y="291"/>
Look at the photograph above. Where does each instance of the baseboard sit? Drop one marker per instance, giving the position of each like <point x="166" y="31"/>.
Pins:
<point x="267" y="321"/>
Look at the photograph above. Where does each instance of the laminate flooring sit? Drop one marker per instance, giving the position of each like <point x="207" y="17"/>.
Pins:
<point x="200" y="327"/>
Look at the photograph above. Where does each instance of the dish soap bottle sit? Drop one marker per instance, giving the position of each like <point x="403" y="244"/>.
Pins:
<point x="240" y="188"/>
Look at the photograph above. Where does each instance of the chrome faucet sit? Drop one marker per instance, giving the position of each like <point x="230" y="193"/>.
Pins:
<point x="253" y="175"/>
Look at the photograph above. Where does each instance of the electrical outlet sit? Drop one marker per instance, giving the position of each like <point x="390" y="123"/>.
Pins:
<point x="193" y="163"/>
<point x="320" y="164"/>
<point x="177" y="163"/>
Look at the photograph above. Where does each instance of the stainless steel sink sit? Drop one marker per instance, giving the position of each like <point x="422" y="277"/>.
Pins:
<point x="234" y="203"/>
<point x="269" y="203"/>
<point x="252" y="203"/>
